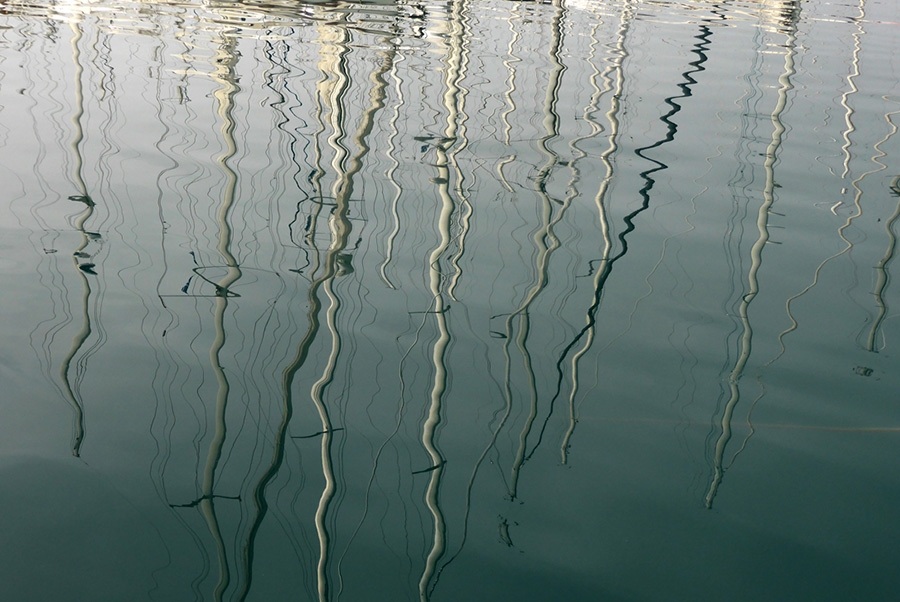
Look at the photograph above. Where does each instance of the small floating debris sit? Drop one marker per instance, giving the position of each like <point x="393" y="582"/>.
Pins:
<point x="863" y="371"/>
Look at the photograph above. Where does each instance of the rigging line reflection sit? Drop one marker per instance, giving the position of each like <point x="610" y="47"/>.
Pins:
<point x="225" y="64"/>
<point x="280" y="437"/>
<point x="80" y="257"/>
<point x="438" y="285"/>
<point x="613" y="72"/>
<point x="167" y="373"/>
<point x="545" y="239"/>
<point x="511" y="58"/>
<point x="334" y="95"/>
<point x="845" y="97"/>
<point x="848" y="245"/>
<point x="881" y="270"/>
<point x="741" y="187"/>
<point x="391" y="173"/>
<point x="455" y="101"/>
<point x="603" y="273"/>
<point x="762" y="223"/>
<point x="522" y="312"/>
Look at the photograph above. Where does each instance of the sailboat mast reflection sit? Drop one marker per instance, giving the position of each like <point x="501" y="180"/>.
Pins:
<point x="226" y="61"/>
<point x="762" y="224"/>
<point x="612" y="83"/>
<point x="332" y="95"/>
<point x="438" y="281"/>
<point x="545" y="239"/>
<point x="614" y="78"/>
<point x="224" y="74"/>
<point x="881" y="270"/>
<point x="80" y="256"/>
<point x="607" y="263"/>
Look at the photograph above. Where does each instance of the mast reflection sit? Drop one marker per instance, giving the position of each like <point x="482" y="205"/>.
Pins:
<point x="756" y="253"/>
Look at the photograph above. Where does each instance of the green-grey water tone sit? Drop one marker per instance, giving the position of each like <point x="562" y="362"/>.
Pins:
<point x="439" y="301"/>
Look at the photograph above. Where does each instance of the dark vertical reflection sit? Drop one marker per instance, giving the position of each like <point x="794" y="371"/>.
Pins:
<point x="615" y="80"/>
<point x="612" y="83"/>
<point x="605" y="262"/>
<point x="882" y="272"/>
<point x="333" y="98"/>
<point x="756" y="251"/>
<point x="81" y="258"/>
<point x="258" y="495"/>
<point x="545" y="239"/>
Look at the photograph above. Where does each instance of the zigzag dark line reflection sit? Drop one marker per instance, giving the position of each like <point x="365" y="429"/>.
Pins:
<point x="700" y="50"/>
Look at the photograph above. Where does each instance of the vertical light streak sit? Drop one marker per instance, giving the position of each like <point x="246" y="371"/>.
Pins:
<point x="330" y="91"/>
<point x="72" y="395"/>
<point x="455" y="96"/>
<point x="436" y="277"/>
<point x="391" y="175"/>
<point x="226" y="60"/>
<point x="848" y="110"/>
<point x="762" y="224"/>
<point x="333" y="94"/>
<point x="615" y="71"/>
<point x="545" y="239"/>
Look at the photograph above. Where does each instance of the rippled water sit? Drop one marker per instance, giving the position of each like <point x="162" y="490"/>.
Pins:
<point x="449" y="301"/>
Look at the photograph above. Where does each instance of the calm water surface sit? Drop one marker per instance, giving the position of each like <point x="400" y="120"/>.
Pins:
<point x="587" y="300"/>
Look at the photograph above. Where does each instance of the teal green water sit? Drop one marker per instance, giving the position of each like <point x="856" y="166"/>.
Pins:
<point x="449" y="301"/>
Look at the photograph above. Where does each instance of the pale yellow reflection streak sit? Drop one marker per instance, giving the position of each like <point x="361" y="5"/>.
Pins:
<point x="391" y="174"/>
<point x="225" y="62"/>
<point x="511" y="78"/>
<point x="614" y="79"/>
<point x="762" y="224"/>
<point x="508" y="96"/>
<point x="332" y="93"/>
<point x="72" y="397"/>
<point x="845" y="97"/>
<point x="444" y="160"/>
<point x="455" y="101"/>
<point x="545" y="239"/>
<point x="857" y="203"/>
